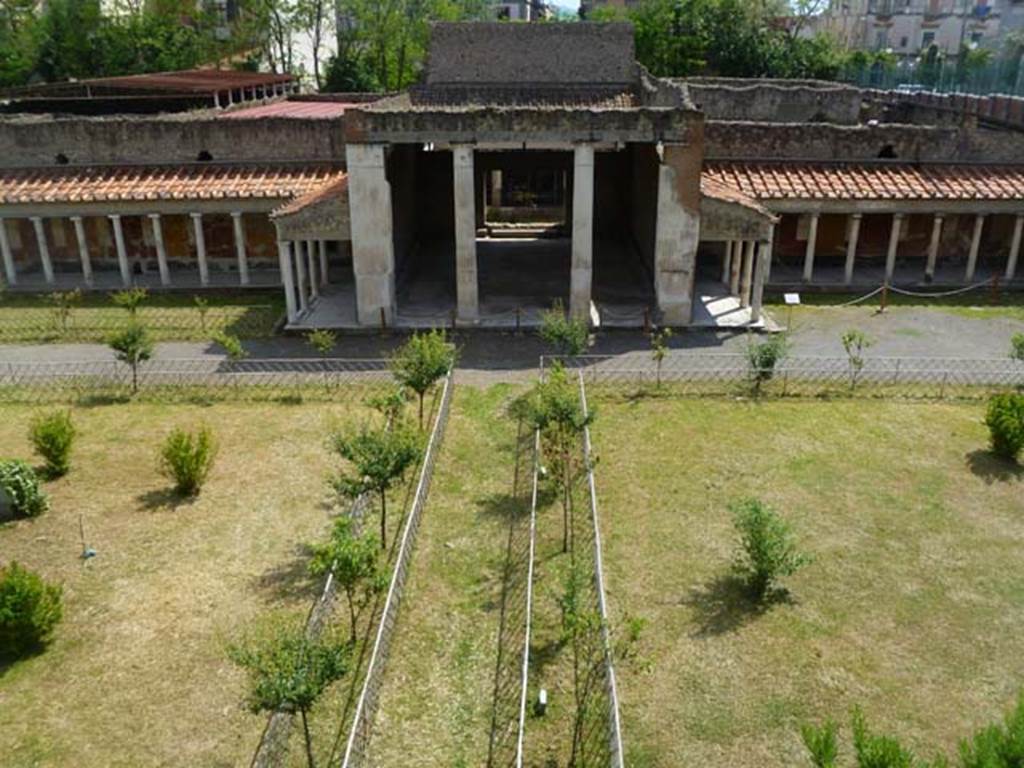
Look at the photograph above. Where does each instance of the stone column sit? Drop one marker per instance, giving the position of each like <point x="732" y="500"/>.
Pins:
<point x="496" y="185"/>
<point x="466" y="289"/>
<point x="582" y="271"/>
<point x="894" y="244"/>
<point x="300" y="271"/>
<point x="933" y="249"/>
<point x="851" y="247"/>
<point x="243" y="259"/>
<point x="284" y="262"/>
<point x="812" y="242"/>
<point x="1011" y="263"/>
<point x="764" y="263"/>
<point x="972" y="257"/>
<point x="204" y="269"/>
<point x="727" y="262"/>
<point x="324" y="278"/>
<point x="5" y="250"/>
<point x="83" y="249"/>
<point x="314" y="282"/>
<point x="122" y="253"/>
<point x="677" y="231"/>
<point x="44" y="249"/>
<point x="373" y="255"/>
<point x="748" y="272"/>
<point x="161" y="249"/>
<point x="734" y="267"/>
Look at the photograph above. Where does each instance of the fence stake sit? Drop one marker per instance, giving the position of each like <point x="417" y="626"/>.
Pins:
<point x="942" y="386"/>
<point x="885" y="297"/>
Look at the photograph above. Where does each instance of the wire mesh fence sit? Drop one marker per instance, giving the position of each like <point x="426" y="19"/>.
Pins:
<point x="197" y="379"/>
<point x="20" y="324"/>
<point x="358" y="743"/>
<point x="925" y="378"/>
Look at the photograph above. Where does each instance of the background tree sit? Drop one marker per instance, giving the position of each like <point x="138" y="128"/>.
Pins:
<point x="854" y="343"/>
<point x="568" y="335"/>
<point x="421" y="362"/>
<point x="130" y="299"/>
<point x="767" y="547"/>
<point x="52" y="435"/>
<point x="132" y="346"/>
<point x="377" y="458"/>
<point x="659" y="348"/>
<point x="289" y="671"/>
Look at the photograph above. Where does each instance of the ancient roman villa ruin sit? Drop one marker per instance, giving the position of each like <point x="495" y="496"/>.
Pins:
<point x="533" y="164"/>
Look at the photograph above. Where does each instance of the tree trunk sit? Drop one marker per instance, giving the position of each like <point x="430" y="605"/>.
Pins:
<point x="383" y="520"/>
<point x="421" y="410"/>
<point x="135" y="378"/>
<point x="309" y="740"/>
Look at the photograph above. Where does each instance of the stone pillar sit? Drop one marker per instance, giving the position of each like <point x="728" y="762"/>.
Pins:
<point x="851" y="247"/>
<point x="582" y="271"/>
<point x="677" y="231"/>
<point x="496" y="186"/>
<point x="748" y="272"/>
<point x="734" y="267"/>
<point x="284" y="260"/>
<point x="243" y="259"/>
<point x="122" y="254"/>
<point x="83" y="249"/>
<point x="764" y="263"/>
<point x="44" y="249"/>
<point x="314" y="282"/>
<point x="373" y="255"/>
<point x="10" y="273"/>
<point x="972" y="257"/>
<point x="1011" y="263"/>
<point x="933" y="249"/>
<point x="727" y="262"/>
<point x="812" y="242"/>
<point x="300" y="271"/>
<point x="324" y="277"/>
<point x="161" y="249"/>
<point x="197" y="228"/>
<point x="465" y="234"/>
<point x="894" y="244"/>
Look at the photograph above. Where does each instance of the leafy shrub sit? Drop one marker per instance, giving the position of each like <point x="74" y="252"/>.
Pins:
<point x="423" y="360"/>
<point x="133" y="346"/>
<point x="19" y="483"/>
<point x="1005" y="422"/>
<point x="29" y="610"/>
<point x="822" y="743"/>
<point x="52" y="435"/>
<point x="62" y="303"/>
<point x="232" y="346"/>
<point x="768" y="550"/>
<point x="878" y="751"/>
<point x="855" y="342"/>
<point x="1017" y="347"/>
<point x="762" y="359"/>
<point x="568" y="335"/>
<point x="130" y="299"/>
<point x="187" y="459"/>
<point x="997" y="746"/>
<point x="322" y="341"/>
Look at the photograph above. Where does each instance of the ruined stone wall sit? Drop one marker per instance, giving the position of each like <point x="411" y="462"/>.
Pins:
<point x="775" y="101"/>
<point x="40" y="140"/>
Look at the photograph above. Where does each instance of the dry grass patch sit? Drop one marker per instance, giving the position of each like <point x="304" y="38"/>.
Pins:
<point x="137" y="674"/>
<point x="912" y="608"/>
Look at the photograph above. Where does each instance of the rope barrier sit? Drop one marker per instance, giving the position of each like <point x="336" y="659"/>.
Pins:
<point x="941" y="294"/>
<point x="858" y="300"/>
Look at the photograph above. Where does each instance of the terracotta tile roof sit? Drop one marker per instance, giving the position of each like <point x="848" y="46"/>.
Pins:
<point x="867" y="181"/>
<point x="307" y="110"/>
<point x="190" y="80"/>
<point x="90" y="184"/>
<point x="716" y="190"/>
<point x="433" y="99"/>
<point x="337" y="189"/>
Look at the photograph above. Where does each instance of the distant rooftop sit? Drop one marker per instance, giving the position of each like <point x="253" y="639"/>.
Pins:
<point x="305" y="110"/>
<point x="188" y="81"/>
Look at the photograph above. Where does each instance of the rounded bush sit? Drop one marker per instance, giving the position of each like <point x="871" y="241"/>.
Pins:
<point x="29" y="610"/>
<point x="20" y="488"/>
<point x="52" y="435"/>
<point x="1005" y="421"/>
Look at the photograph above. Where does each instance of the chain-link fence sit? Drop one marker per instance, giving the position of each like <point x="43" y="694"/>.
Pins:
<point x="926" y="378"/>
<point x="21" y="325"/>
<point x="183" y="380"/>
<point x="358" y="744"/>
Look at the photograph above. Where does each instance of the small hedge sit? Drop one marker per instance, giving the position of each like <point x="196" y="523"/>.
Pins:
<point x="1005" y="421"/>
<point x="18" y="482"/>
<point x="52" y="436"/>
<point x="29" y="610"/>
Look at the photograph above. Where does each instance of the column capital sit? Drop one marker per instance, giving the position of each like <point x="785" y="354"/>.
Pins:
<point x="114" y="216"/>
<point x="857" y="216"/>
<point x="154" y="216"/>
<point x="196" y="216"/>
<point x="35" y="219"/>
<point x="899" y="216"/>
<point x="234" y="214"/>
<point x="75" y="219"/>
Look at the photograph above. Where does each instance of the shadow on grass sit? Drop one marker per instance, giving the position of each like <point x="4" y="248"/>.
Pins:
<point x="290" y="580"/>
<point x="725" y="604"/>
<point x="163" y="498"/>
<point x="992" y="468"/>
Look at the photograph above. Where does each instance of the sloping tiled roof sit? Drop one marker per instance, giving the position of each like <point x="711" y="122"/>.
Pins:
<point x="867" y="181"/>
<point x="716" y="190"/>
<point x="332" y="189"/>
<point x="306" y="110"/>
<point x="466" y="98"/>
<point x="89" y="184"/>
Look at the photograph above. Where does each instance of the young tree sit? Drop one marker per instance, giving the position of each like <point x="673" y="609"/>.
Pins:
<point x="132" y="346"/>
<point x="202" y="305"/>
<point x="421" y="362"/>
<point x="232" y="346"/>
<point x="659" y="348"/>
<point x="63" y="303"/>
<point x="767" y="547"/>
<point x="52" y="435"/>
<point x="854" y="343"/>
<point x="762" y="359"/>
<point x="288" y="671"/>
<point x="568" y="335"/>
<point x="1017" y="347"/>
<point x="355" y="561"/>
<point x="1005" y="421"/>
<point x="378" y="458"/>
<point x="130" y="299"/>
<point x="187" y="459"/>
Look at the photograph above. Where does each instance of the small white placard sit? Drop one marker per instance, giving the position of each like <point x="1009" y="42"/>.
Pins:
<point x="792" y="298"/>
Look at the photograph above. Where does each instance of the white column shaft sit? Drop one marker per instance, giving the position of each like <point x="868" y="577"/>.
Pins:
<point x="894" y="244"/>
<point x="933" y="249"/>
<point x="726" y="262"/>
<point x="1011" y="263"/>
<point x="311" y="258"/>
<point x="284" y="260"/>
<point x="324" y="275"/>
<point x="972" y="257"/>
<point x="373" y="248"/>
<point x="735" y="268"/>
<point x="5" y="250"/>
<point x="851" y="248"/>
<point x="300" y="271"/>
<point x="764" y="262"/>
<point x="44" y="249"/>
<point x="243" y="259"/>
<point x="748" y="273"/>
<point x="466" y="281"/>
<point x="83" y="249"/>
<point x="812" y="242"/>
<point x="122" y="253"/>
<point x="161" y="249"/>
<point x="582" y="270"/>
<point x="204" y="268"/>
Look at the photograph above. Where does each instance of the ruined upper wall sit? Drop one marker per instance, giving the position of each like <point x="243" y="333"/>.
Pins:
<point x="39" y="140"/>
<point x="775" y="101"/>
<point x="501" y="53"/>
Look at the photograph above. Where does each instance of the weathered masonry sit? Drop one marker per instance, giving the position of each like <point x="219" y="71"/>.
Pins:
<point x="532" y="165"/>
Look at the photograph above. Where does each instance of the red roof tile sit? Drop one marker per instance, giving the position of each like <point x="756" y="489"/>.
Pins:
<point x="90" y="184"/>
<point x="867" y="181"/>
<point x="332" y="189"/>
<point x="309" y="110"/>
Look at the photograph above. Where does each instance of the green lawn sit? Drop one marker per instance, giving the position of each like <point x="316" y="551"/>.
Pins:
<point x="912" y="608"/>
<point x="979" y="304"/>
<point x="137" y="673"/>
<point x="31" y="319"/>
